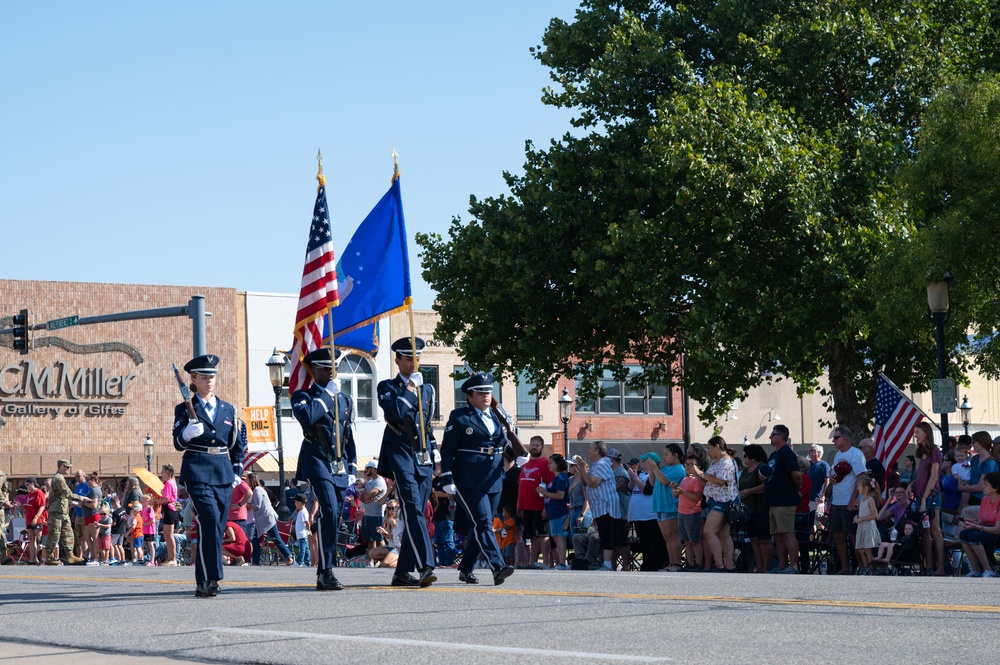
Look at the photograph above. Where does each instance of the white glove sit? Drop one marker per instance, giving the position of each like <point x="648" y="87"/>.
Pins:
<point x="521" y="461"/>
<point x="435" y="456"/>
<point x="193" y="430"/>
<point x="236" y="480"/>
<point x="417" y="379"/>
<point x="333" y="387"/>
<point x="450" y="489"/>
<point x="351" y="478"/>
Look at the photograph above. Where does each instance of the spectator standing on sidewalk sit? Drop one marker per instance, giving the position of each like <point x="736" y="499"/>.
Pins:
<point x="781" y="493"/>
<point x="599" y="480"/>
<point x="60" y="539"/>
<point x="530" y="504"/>
<point x="848" y="464"/>
<point x="643" y="517"/>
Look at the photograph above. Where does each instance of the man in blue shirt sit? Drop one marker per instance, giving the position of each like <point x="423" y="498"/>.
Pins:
<point x="819" y="476"/>
<point x="81" y="489"/>
<point x="781" y="494"/>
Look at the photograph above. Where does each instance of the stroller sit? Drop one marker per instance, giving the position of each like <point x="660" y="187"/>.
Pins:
<point x="907" y="556"/>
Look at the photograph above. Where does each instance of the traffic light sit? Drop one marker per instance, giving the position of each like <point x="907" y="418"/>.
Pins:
<point x="21" y="331"/>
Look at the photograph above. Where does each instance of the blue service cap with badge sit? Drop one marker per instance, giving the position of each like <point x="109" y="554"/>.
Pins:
<point x="480" y="382"/>
<point x="203" y="365"/>
<point x="320" y="357"/>
<point x="404" y="347"/>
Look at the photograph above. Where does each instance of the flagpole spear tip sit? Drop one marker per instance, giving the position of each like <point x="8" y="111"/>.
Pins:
<point x="319" y="168"/>
<point x="395" y="165"/>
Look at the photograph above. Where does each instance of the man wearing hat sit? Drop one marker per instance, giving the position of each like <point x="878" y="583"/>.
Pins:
<point x="373" y="501"/>
<point x="214" y="443"/>
<point x="408" y="454"/>
<point x="60" y="529"/>
<point x="329" y="476"/>
<point x="472" y="471"/>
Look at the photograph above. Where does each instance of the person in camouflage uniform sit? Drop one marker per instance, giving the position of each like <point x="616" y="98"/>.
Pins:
<point x="60" y="528"/>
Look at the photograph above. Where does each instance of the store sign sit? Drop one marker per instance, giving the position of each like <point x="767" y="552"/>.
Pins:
<point x="30" y="390"/>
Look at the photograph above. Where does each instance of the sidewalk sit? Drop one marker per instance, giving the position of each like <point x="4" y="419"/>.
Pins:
<point x="15" y="652"/>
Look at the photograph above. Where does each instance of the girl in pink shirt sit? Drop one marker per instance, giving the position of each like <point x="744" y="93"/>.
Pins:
<point x="149" y="529"/>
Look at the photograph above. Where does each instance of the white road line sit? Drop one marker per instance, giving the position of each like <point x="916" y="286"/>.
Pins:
<point x="458" y="646"/>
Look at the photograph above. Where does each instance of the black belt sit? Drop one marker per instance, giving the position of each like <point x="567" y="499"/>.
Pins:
<point x="489" y="450"/>
<point x="210" y="450"/>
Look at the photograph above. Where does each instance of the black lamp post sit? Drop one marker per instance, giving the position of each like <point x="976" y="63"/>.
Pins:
<point x="565" y="413"/>
<point x="276" y="370"/>
<point x="147" y="449"/>
<point x="966" y="410"/>
<point x="937" y="302"/>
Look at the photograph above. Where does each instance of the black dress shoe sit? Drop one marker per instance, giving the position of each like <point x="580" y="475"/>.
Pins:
<point x="200" y="592"/>
<point x="404" y="579"/>
<point x="326" y="581"/>
<point x="427" y="577"/>
<point x="502" y="574"/>
<point x="212" y="588"/>
<point x="468" y="578"/>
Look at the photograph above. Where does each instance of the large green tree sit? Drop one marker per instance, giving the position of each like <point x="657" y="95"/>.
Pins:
<point x="728" y="191"/>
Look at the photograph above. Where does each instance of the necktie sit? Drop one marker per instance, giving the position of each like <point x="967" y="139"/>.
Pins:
<point x="210" y="411"/>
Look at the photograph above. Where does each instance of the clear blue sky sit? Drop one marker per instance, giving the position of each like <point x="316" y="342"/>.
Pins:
<point x="175" y="143"/>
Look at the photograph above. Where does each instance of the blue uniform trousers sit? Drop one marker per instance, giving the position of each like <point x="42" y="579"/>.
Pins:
<point x="331" y="501"/>
<point x="480" y="507"/>
<point x="416" y="551"/>
<point x="211" y="508"/>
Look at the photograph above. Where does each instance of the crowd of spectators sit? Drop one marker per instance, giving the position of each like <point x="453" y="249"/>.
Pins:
<point x="709" y="508"/>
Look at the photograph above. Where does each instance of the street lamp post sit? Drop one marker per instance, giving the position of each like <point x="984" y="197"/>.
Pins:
<point x="966" y="410"/>
<point x="937" y="302"/>
<point x="147" y="449"/>
<point x="565" y="412"/>
<point x="276" y="370"/>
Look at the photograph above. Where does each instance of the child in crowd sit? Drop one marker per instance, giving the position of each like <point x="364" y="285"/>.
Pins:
<point x="689" y="492"/>
<point x="867" y="535"/>
<point x="301" y="533"/>
<point x="962" y="470"/>
<point x="104" y="536"/>
<point x="908" y="544"/>
<point x="504" y="530"/>
<point x="119" y="523"/>
<point x="135" y="529"/>
<point x="149" y="530"/>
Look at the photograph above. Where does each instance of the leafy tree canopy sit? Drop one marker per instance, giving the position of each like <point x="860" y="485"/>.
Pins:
<point x="728" y="192"/>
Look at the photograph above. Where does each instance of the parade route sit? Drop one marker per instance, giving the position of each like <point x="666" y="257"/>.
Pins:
<point x="272" y="615"/>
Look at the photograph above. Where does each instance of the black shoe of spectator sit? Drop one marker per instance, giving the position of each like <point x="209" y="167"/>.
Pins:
<point x="326" y="581"/>
<point x="502" y="574"/>
<point x="404" y="579"/>
<point x="427" y="577"/>
<point x="212" y="588"/>
<point x="201" y="591"/>
<point x="468" y="578"/>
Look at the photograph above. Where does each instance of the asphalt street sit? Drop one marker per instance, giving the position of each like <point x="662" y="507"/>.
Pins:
<point x="274" y="615"/>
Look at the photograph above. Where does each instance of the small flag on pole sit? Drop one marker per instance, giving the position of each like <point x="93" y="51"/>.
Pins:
<point x="895" y="416"/>
<point x="318" y="291"/>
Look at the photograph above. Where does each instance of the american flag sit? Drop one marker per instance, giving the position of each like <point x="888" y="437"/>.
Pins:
<point x="318" y="292"/>
<point x="251" y="459"/>
<point x="895" y="416"/>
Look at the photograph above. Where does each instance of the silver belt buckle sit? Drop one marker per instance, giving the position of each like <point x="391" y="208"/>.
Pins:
<point x="215" y="450"/>
<point x="486" y="451"/>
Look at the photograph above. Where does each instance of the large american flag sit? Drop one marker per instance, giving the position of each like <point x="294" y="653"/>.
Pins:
<point x="318" y="291"/>
<point x="895" y="416"/>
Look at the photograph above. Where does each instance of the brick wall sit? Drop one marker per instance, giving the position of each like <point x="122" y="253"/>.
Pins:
<point x="111" y="444"/>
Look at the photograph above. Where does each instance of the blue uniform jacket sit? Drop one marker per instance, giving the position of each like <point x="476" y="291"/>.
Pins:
<point x="314" y="409"/>
<point x="463" y="460"/>
<point x="401" y="439"/>
<point x="227" y="432"/>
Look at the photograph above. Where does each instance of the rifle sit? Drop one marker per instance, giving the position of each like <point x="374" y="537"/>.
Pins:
<point x="185" y="393"/>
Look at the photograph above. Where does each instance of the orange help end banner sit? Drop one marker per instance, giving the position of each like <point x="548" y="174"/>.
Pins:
<point x="261" y="434"/>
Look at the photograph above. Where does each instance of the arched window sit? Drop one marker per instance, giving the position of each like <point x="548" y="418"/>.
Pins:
<point x="357" y="379"/>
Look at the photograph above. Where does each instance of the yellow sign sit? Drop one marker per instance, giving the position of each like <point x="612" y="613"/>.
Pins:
<point x="261" y="434"/>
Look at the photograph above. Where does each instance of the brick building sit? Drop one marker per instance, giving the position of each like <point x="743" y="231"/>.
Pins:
<point x="92" y="393"/>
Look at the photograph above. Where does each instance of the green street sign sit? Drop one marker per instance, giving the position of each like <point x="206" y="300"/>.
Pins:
<point x="67" y="322"/>
<point x="944" y="398"/>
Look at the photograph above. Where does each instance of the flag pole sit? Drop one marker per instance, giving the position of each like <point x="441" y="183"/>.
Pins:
<point x="328" y="315"/>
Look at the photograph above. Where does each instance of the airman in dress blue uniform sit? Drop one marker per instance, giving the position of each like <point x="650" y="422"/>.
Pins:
<point x="402" y="459"/>
<point x="329" y="476"/>
<point x="472" y="470"/>
<point x="214" y="444"/>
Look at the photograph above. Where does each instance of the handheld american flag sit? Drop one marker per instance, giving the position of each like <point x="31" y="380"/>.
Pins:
<point x="318" y="292"/>
<point x="895" y="416"/>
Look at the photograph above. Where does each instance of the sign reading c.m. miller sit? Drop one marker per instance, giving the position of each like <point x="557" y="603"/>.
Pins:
<point x="29" y="391"/>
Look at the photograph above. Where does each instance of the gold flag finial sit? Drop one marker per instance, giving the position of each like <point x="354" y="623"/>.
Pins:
<point x="319" y="169"/>
<point x="395" y="165"/>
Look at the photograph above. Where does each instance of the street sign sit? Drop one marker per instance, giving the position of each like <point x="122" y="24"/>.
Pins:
<point x="944" y="398"/>
<point x="57" y="324"/>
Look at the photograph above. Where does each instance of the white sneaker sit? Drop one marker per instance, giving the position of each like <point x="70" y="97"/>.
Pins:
<point x="989" y="573"/>
<point x="296" y="565"/>
<point x="974" y="574"/>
